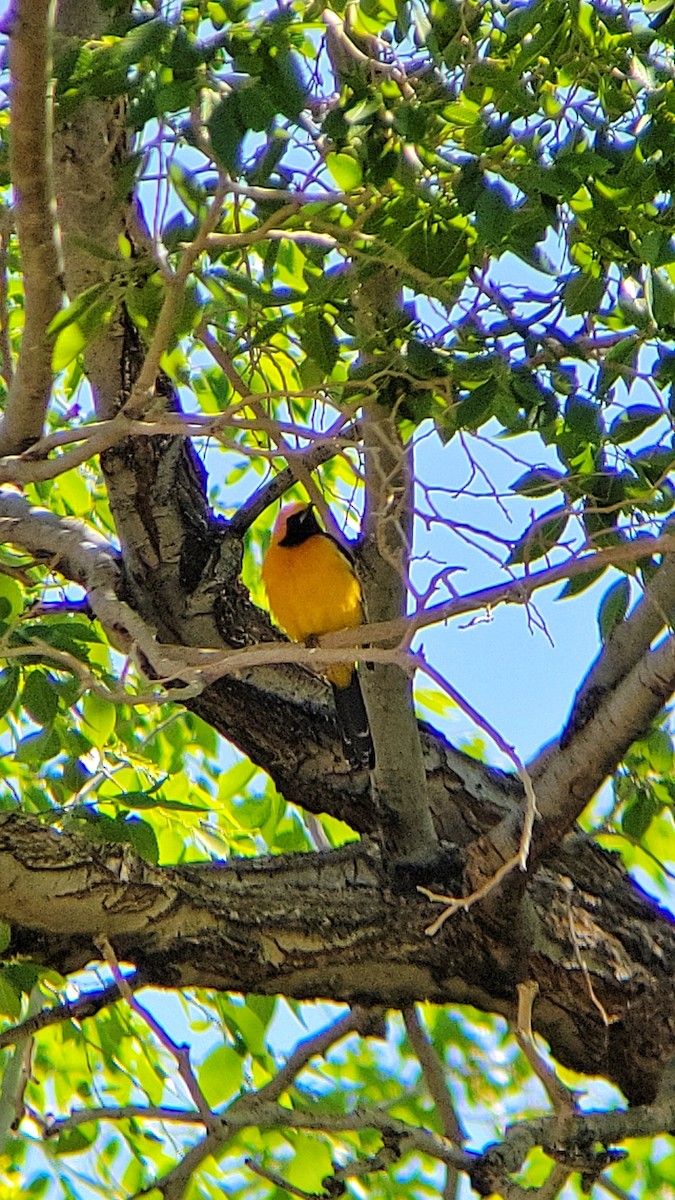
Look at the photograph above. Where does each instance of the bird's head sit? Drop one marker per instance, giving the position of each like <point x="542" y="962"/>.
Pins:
<point x="295" y="523"/>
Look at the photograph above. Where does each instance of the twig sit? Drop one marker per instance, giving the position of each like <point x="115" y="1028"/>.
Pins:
<point x="275" y="489"/>
<point x="606" y="1018"/>
<point x="85" y="1006"/>
<point x="32" y="23"/>
<point x="279" y="1182"/>
<point x="180" y="1054"/>
<point x="123" y="1112"/>
<point x="100" y="436"/>
<point x="172" y="1186"/>
<point x="144" y="388"/>
<point x="434" y="1075"/>
<point x="297" y="466"/>
<point x="317" y="1044"/>
<point x="455" y="903"/>
<point x="16" y="1074"/>
<point x="562" y="1099"/>
<point x="506" y="749"/>
<point x="251" y="237"/>
<point x="515" y="591"/>
<point x="554" y="1184"/>
<point x="612" y="1188"/>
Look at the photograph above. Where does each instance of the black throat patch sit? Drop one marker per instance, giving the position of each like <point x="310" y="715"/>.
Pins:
<point x="299" y="527"/>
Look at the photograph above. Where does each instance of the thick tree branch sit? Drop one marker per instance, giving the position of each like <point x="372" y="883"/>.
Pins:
<point x="399" y="779"/>
<point x="31" y="23"/>
<point x="319" y="925"/>
<point x="568" y="777"/>
<point x="626" y="644"/>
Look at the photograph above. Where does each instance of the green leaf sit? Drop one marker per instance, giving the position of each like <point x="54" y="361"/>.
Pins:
<point x="142" y="41"/>
<point x="99" y="718"/>
<point x="583" y="293"/>
<point x="75" y="1141"/>
<point x="345" y="169"/>
<point x="311" y="1162"/>
<point x="74" y="310"/>
<point x="494" y="215"/>
<point x="660" y="751"/>
<point x="255" y="105"/>
<point x="11" y="599"/>
<point x="663" y="300"/>
<point x="221" y="1074"/>
<point x="319" y="341"/>
<point x="39" y="697"/>
<point x="633" y="421"/>
<point x="424" y="362"/>
<point x="9" y="684"/>
<point x="143" y="839"/>
<point x="226" y="129"/>
<point x="579" y="583"/>
<point x="476" y="409"/>
<point x="613" y="607"/>
<point x="37" y="748"/>
<point x="10" y="1000"/>
<point x="541" y="538"/>
<point x="69" y="343"/>
<point x="638" y="816"/>
<point x="540" y="481"/>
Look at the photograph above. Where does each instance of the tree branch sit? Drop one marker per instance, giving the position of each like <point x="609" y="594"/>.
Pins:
<point x="626" y="644"/>
<point x="327" y="924"/>
<point x="569" y="777"/>
<point x="31" y="23"/>
<point x="86" y="1005"/>
<point x="399" y="778"/>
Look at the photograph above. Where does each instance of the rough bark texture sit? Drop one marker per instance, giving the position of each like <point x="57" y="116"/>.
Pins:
<point x="328" y="925"/>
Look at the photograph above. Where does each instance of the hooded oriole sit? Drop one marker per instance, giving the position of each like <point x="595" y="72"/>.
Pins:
<point x="312" y="589"/>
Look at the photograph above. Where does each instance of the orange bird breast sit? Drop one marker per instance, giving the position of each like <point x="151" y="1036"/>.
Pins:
<point x="311" y="588"/>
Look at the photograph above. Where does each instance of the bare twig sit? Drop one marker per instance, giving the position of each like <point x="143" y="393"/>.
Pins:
<point x="34" y="466"/>
<point x="124" y="1112"/>
<point x="513" y="591"/>
<point x="296" y="465"/>
<point x="144" y="388"/>
<point x="457" y="903"/>
<point x="312" y="1046"/>
<point x="279" y="1182"/>
<point x="607" y="1020"/>
<point x="613" y="1189"/>
<point x="180" y="1054"/>
<point x="562" y="1100"/>
<point x="85" y="1006"/>
<point x="32" y="24"/>
<point x="173" y="1184"/>
<point x="275" y="489"/>
<point x="16" y="1074"/>
<point x="434" y="1075"/>
<point x="506" y="749"/>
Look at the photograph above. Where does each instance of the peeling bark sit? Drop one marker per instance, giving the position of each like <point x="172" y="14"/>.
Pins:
<point x="328" y="926"/>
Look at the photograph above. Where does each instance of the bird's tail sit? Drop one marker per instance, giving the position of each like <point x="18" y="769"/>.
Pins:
<point x="353" y="722"/>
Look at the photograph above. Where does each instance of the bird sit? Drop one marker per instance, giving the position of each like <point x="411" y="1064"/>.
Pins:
<point x="312" y="589"/>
